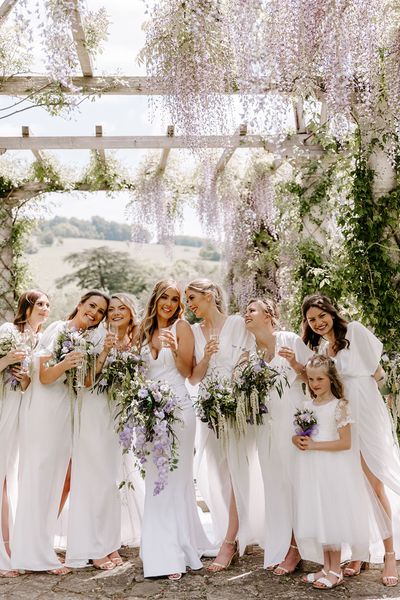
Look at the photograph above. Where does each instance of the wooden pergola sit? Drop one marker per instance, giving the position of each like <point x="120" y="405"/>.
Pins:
<point x="88" y="83"/>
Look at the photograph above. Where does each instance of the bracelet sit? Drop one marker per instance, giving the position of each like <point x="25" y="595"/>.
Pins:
<point x="302" y="371"/>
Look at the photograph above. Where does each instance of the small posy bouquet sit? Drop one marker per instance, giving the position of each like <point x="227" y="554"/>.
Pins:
<point x="119" y="369"/>
<point x="146" y="419"/>
<point x="67" y="341"/>
<point x="305" y="422"/>
<point x="254" y="380"/>
<point x="216" y="405"/>
<point x="8" y="343"/>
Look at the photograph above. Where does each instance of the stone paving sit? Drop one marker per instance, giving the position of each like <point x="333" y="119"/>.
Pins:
<point x="244" y="581"/>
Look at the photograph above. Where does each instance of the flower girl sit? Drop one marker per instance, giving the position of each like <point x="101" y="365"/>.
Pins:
<point x="334" y="506"/>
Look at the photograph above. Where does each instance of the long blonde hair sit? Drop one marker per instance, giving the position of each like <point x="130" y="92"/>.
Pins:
<point x="205" y="286"/>
<point x="129" y="301"/>
<point x="149" y="322"/>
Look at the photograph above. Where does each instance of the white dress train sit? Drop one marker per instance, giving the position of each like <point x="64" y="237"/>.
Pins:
<point x="45" y="452"/>
<point x="94" y="519"/>
<point x="9" y="415"/>
<point x="276" y="451"/>
<point x="235" y="464"/>
<point x="172" y="535"/>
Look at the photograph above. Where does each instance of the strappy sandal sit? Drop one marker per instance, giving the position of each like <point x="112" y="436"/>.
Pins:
<point x="284" y="570"/>
<point x="9" y="573"/>
<point x="390" y="580"/>
<point x="326" y="584"/>
<point x="350" y="572"/>
<point x="60" y="571"/>
<point x="117" y="560"/>
<point x="107" y="565"/>
<point x="233" y="559"/>
<point x="175" y="576"/>
<point x="311" y="577"/>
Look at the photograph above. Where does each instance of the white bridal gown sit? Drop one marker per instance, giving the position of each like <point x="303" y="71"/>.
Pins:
<point x="276" y="451"/>
<point x="9" y="413"/>
<point x="380" y="450"/>
<point x="172" y="535"/>
<point x="45" y="452"/>
<point x="333" y="503"/>
<point x="94" y="520"/>
<point x="219" y="465"/>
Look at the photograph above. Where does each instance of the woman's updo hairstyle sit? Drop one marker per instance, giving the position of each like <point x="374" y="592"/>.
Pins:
<point x="269" y="306"/>
<point x="205" y="286"/>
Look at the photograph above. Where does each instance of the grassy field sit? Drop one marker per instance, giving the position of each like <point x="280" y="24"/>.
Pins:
<point x="48" y="264"/>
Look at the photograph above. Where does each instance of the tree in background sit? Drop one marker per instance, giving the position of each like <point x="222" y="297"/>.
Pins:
<point x="108" y="270"/>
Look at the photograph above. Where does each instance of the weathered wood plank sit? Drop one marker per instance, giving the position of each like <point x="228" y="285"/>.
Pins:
<point x="78" y="34"/>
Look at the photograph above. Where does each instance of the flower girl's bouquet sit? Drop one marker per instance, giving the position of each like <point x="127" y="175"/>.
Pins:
<point x="146" y="419"/>
<point x="305" y="422"/>
<point x="216" y="405"/>
<point x="119" y="369"/>
<point x="254" y="380"/>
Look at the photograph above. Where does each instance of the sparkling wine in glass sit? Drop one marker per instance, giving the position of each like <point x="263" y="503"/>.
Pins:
<point x="80" y="369"/>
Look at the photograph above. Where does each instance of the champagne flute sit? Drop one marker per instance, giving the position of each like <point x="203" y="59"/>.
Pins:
<point x="80" y="345"/>
<point x="113" y="330"/>
<point x="163" y="342"/>
<point x="214" y="337"/>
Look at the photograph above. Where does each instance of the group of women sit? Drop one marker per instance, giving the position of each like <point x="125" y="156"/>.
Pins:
<point x="60" y="462"/>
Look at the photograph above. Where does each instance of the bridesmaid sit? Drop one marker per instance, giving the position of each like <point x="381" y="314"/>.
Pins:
<point x="46" y="443"/>
<point x="286" y="352"/>
<point x="229" y="476"/>
<point x="32" y="312"/>
<point x="122" y="318"/>
<point x="94" y="521"/>
<point x="172" y="536"/>
<point x="357" y="354"/>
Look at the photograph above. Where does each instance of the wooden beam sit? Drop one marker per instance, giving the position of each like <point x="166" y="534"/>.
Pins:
<point x="299" y="118"/>
<point x="36" y="153"/>
<point x="229" y="152"/>
<point x="6" y="7"/>
<point x="165" y="153"/>
<point x="100" y="153"/>
<point x="78" y="33"/>
<point x="112" y="85"/>
<point x="323" y="118"/>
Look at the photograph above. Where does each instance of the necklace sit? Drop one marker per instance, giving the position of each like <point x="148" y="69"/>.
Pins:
<point x="266" y="353"/>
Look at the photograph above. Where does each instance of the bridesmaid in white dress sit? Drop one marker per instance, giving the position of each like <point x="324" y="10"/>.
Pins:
<point x="228" y="475"/>
<point x="46" y="444"/>
<point x="94" y="520"/>
<point x="286" y="352"/>
<point x="172" y="535"/>
<point x="32" y="312"/>
<point x="122" y="318"/>
<point x="357" y="354"/>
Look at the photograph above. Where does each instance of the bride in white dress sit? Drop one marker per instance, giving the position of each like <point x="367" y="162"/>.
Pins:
<point x="357" y="354"/>
<point x="228" y="475"/>
<point x="46" y="444"/>
<point x="172" y="535"/>
<point x="32" y="312"/>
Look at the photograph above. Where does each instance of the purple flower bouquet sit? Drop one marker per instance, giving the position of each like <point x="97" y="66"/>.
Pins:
<point x="305" y="422"/>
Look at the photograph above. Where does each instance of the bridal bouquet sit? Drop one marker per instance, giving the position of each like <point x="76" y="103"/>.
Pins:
<point x="216" y="405"/>
<point x="119" y="369"/>
<point x="9" y="342"/>
<point x="146" y="419"/>
<point x="67" y="341"/>
<point x="254" y="380"/>
<point x="305" y="422"/>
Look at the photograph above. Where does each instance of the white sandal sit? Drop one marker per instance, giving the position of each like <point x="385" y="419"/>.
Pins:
<point x="311" y="577"/>
<point x="326" y="584"/>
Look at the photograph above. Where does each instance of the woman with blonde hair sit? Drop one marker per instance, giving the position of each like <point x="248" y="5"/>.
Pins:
<point x="172" y="535"/>
<point x="228" y="474"/>
<point x="285" y="352"/>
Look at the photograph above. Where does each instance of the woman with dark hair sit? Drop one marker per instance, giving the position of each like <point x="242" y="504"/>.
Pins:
<point x="46" y="437"/>
<point x="172" y="536"/>
<point x="32" y="312"/>
<point x="357" y="353"/>
<point x="228" y="474"/>
<point x="285" y="352"/>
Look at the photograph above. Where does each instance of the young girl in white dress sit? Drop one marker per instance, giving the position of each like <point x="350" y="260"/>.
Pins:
<point x="286" y="352"/>
<point x="330" y="491"/>
<point x="172" y="535"/>
<point x="228" y="475"/>
<point x="122" y="320"/>
<point x="46" y="443"/>
<point x="357" y="354"/>
<point x="32" y="312"/>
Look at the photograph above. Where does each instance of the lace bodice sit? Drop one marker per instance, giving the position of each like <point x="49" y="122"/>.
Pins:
<point x="331" y="416"/>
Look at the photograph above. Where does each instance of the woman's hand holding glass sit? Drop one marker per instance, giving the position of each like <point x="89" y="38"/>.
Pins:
<point x="167" y="339"/>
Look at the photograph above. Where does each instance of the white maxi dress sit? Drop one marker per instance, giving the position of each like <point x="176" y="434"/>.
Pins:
<point x="172" y="535"/>
<point x="45" y="452"/>
<point x="9" y="415"/>
<point x="373" y="427"/>
<point x="276" y="451"/>
<point x="221" y="467"/>
<point x="94" y="519"/>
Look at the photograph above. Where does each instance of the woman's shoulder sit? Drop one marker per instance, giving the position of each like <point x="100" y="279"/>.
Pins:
<point x="181" y="325"/>
<point x="235" y="320"/>
<point x="8" y="327"/>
